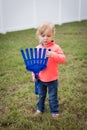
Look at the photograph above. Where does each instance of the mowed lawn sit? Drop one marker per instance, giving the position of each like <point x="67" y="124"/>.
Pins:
<point x="17" y="97"/>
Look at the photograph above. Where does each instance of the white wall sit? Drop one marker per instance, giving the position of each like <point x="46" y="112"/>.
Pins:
<point x="2" y="30"/>
<point x="83" y="9"/>
<point x="69" y="10"/>
<point x="18" y="14"/>
<point x="25" y="14"/>
<point x="47" y="10"/>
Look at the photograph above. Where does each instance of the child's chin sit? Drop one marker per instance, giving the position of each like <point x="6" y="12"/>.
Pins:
<point x="48" y="42"/>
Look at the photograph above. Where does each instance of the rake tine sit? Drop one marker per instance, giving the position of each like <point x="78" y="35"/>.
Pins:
<point x="27" y="54"/>
<point x="44" y="52"/>
<point x="31" y="56"/>
<point x="24" y="57"/>
<point x="43" y="56"/>
<point x="35" y="56"/>
<point x="40" y="52"/>
<point x="46" y="59"/>
<point x="31" y="53"/>
<point x="35" y="50"/>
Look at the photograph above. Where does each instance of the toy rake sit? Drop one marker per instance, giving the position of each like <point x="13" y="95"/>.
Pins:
<point x="35" y="61"/>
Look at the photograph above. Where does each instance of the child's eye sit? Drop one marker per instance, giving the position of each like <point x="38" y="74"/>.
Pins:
<point x="43" y="35"/>
<point x="48" y="35"/>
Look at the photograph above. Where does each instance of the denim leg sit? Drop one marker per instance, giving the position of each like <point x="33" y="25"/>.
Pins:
<point x="53" y="96"/>
<point x="42" y="95"/>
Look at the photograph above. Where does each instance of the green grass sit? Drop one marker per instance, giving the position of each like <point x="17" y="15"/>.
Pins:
<point x="17" y="98"/>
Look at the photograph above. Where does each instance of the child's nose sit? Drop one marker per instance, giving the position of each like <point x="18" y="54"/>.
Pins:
<point x="45" y="37"/>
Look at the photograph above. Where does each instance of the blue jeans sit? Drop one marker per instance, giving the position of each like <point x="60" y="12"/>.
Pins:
<point x="53" y="96"/>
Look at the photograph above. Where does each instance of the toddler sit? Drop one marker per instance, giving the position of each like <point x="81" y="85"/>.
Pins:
<point x="48" y="78"/>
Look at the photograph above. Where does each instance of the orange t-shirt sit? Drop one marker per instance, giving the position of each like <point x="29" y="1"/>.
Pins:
<point x="51" y="72"/>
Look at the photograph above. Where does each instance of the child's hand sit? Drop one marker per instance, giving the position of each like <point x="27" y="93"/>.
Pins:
<point x="49" y="53"/>
<point x="34" y="79"/>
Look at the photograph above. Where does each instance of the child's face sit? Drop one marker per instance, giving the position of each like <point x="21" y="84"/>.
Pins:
<point x="45" y="38"/>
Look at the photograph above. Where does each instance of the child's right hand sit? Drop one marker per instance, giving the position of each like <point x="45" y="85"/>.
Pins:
<point x="49" y="53"/>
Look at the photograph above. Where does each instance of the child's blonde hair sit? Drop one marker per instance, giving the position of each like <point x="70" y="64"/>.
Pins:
<point x="46" y="28"/>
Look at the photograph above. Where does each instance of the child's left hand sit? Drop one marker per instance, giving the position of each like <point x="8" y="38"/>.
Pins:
<point x="34" y="79"/>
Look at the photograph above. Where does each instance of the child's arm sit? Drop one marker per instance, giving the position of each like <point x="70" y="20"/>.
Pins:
<point x="58" y="55"/>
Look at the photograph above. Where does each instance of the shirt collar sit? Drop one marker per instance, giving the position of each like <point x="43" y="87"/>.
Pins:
<point x="49" y="44"/>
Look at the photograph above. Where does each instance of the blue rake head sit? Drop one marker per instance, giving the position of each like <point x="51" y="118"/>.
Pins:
<point x="35" y="61"/>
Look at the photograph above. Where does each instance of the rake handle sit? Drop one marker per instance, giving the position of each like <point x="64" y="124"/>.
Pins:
<point x="36" y="87"/>
<point x="36" y="84"/>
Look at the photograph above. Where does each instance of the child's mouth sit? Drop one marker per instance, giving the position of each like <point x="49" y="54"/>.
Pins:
<point x="45" y="43"/>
